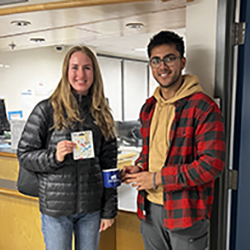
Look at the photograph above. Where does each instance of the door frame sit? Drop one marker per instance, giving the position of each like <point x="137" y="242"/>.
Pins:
<point x="224" y="90"/>
<point x="240" y="219"/>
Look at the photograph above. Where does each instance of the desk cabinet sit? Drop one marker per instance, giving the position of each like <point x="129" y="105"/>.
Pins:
<point x="20" y="223"/>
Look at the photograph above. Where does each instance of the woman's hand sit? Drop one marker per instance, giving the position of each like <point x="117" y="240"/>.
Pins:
<point x="106" y="223"/>
<point x="63" y="148"/>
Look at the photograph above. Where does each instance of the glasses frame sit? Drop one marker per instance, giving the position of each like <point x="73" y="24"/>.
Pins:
<point x="168" y="60"/>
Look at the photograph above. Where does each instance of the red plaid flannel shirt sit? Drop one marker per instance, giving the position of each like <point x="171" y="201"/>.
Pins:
<point x="196" y="156"/>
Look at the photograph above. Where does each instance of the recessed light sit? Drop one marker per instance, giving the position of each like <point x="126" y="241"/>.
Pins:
<point x="20" y="23"/>
<point x="140" y="49"/>
<point x="134" y="25"/>
<point x="37" y="40"/>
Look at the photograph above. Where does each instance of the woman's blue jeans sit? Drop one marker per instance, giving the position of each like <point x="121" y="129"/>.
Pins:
<point x="57" y="231"/>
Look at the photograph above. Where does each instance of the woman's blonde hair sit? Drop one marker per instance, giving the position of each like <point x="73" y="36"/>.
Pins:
<point x="66" y="110"/>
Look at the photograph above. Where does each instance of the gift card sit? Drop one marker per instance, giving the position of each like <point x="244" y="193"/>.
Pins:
<point x="84" y="146"/>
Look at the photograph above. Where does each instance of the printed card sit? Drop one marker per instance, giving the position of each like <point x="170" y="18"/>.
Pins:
<point x="84" y="148"/>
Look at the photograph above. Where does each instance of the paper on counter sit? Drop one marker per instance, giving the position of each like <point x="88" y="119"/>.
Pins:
<point x="127" y="198"/>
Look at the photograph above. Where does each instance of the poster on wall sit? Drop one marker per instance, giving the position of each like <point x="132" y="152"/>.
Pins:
<point x="26" y="99"/>
<point x="41" y="89"/>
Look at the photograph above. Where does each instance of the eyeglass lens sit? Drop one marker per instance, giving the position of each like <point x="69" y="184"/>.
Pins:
<point x="168" y="60"/>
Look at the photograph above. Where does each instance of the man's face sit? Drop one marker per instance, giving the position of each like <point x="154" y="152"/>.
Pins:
<point x="168" y="73"/>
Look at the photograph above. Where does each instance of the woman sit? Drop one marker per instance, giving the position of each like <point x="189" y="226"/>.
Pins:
<point x="71" y="194"/>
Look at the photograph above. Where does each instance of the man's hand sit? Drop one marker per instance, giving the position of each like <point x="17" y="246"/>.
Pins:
<point x="143" y="180"/>
<point x="129" y="170"/>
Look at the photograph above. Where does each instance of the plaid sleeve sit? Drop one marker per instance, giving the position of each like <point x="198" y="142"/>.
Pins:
<point x="208" y="151"/>
<point x="139" y="160"/>
<point x="146" y="114"/>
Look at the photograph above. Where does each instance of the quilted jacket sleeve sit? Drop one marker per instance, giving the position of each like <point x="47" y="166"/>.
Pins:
<point x="32" y="152"/>
<point x="108" y="160"/>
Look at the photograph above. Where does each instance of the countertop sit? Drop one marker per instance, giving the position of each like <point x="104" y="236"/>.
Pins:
<point x="126" y="193"/>
<point x="126" y="152"/>
<point x="8" y="150"/>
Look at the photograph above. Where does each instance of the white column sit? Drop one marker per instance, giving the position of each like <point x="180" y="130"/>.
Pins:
<point x="201" y="18"/>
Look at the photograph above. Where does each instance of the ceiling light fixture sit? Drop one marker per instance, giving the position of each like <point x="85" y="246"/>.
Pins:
<point x="37" y="40"/>
<point x="134" y="25"/>
<point x="140" y="49"/>
<point x="20" y="23"/>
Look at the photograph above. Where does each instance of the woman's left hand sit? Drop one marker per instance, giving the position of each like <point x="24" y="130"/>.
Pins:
<point x="106" y="223"/>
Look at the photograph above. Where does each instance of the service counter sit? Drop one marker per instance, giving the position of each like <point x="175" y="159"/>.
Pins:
<point x="20" y="223"/>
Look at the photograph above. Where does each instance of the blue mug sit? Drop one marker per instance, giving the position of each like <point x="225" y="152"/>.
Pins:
<point x="112" y="177"/>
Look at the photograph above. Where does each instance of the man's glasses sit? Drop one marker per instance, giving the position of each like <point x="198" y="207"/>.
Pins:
<point x="155" y="62"/>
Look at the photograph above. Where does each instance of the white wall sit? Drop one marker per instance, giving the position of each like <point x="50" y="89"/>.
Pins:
<point x="201" y="21"/>
<point x="111" y="75"/>
<point x="28" y="68"/>
<point x="135" y="88"/>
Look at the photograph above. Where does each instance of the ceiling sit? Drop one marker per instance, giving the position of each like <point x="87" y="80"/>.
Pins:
<point x="101" y="26"/>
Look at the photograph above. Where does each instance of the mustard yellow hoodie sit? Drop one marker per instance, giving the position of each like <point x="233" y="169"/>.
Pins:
<point x="160" y="127"/>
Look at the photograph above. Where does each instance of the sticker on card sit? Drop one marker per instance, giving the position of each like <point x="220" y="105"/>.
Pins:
<point x="84" y="146"/>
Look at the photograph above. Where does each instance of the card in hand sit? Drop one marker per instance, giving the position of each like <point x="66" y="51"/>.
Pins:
<point x="84" y="146"/>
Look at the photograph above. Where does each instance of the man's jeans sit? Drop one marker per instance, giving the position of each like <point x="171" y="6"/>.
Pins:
<point x="57" y="231"/>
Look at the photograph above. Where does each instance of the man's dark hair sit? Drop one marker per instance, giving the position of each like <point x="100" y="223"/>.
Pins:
<point x="166" y="37"/>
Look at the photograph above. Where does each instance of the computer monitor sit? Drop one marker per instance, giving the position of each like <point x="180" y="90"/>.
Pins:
<point x="4" y="123"/>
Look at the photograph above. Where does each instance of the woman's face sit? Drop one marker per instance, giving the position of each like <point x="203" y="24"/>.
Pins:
<point x="80" y="73"/>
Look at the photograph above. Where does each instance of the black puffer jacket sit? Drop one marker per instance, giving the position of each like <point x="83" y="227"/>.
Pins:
<point x="72" y="186"/>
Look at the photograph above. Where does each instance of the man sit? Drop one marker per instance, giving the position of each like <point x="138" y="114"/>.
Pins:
<point x="183" y="152"/>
